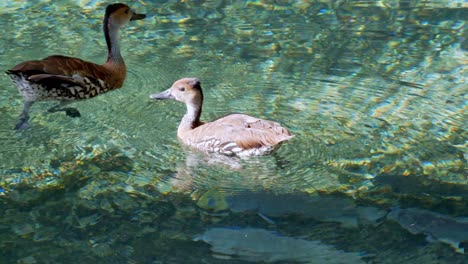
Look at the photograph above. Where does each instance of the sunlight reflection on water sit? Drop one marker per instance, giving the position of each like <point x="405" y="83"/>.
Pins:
<point x="375" y="93"/>
<point x="275" y="81"/>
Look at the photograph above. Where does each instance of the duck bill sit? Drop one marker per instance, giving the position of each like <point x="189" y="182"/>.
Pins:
<point x="136" y="16"/>
<point x="162" y="96"/>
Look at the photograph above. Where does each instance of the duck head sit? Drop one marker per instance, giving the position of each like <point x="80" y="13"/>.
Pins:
<point x="120" y="14"/>
<point x="186" y="90"/>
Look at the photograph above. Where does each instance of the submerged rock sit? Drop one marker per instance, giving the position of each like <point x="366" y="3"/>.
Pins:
<point x="260" y="245"/>
<point x="321" y="208"/>
<point x="437" y="227"/>
<point x="22" y="229"/>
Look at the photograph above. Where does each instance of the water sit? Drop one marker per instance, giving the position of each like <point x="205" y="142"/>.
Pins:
<point x="375" y="93"/>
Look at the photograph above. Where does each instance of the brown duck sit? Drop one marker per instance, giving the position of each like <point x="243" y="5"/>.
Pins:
<point x="67" y="79"/>
<point x="234" y="134"/>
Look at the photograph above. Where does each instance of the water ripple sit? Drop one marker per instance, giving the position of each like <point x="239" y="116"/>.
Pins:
<point x="352" y="89"/>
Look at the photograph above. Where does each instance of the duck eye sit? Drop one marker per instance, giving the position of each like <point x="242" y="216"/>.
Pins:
<point x="182" y="89"/>
<point x="126" y="11"/>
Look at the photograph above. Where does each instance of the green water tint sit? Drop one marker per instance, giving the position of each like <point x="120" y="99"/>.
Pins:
<point x="375" y="93"/>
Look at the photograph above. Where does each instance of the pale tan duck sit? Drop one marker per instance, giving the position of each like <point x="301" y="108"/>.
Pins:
<point x="67" y="79"/>
<point x="234" y="134"/>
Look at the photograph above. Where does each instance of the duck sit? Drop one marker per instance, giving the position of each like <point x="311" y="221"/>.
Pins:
<point x="236" y="134"/>
<point x="68" y="79"/>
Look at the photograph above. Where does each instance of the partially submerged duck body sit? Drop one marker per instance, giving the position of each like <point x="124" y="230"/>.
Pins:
<point x="236" y="134"/>
<point x="66" y="79"/>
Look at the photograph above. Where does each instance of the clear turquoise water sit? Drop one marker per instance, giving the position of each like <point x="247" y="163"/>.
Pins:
<point x="375" y="93"/>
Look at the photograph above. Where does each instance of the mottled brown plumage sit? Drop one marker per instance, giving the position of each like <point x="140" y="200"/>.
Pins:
<point x="68" y="79"/>
<point x="62" y="68"/>
<point x="234" y="134"/>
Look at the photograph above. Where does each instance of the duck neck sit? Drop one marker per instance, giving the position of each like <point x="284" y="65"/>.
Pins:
<point x="191" y="119"/>
<point x="111" y="33"/>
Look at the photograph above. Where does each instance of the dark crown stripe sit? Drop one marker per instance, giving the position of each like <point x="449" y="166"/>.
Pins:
<point x="114" y="7"/>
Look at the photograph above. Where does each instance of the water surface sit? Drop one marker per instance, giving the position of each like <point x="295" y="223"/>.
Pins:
<point x="375" y="93"/>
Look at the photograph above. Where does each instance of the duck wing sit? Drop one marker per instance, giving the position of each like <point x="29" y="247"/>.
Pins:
<point x="58" y="69"/>
<point x="76" y="80"/>
<point x="241" y="131"/>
